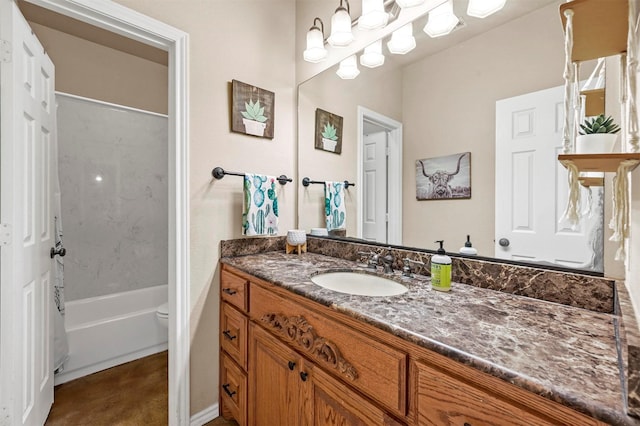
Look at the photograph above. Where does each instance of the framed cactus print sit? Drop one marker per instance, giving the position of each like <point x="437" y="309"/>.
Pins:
<point x="328" y="131"/>
<point x="252" y="110"/>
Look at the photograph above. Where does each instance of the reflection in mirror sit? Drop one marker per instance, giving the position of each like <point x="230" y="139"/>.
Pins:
<point x="490" y="88"/>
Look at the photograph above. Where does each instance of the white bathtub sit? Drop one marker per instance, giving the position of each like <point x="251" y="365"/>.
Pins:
<point x="106" y="331"/>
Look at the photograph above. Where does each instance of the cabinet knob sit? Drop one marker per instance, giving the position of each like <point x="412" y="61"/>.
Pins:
<point x="292" y="365"/>
<point x="504" y="242"/>
<point x="228" y="335"/>
<point x="227" y="391"/>
<point x="229" y="291"/>
<point x="304" y="376"/>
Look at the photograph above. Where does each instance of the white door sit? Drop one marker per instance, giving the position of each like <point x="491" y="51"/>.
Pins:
<point x="374" y="211"/>
<point x="27" y="135"/>
<point x="532" y="188"/>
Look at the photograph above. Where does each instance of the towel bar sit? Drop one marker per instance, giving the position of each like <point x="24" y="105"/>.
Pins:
<point x="219" y="173"/>
<point x="306" y="182"/>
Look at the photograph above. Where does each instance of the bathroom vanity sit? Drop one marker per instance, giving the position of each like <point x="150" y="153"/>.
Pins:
<point x="295" y="353"/>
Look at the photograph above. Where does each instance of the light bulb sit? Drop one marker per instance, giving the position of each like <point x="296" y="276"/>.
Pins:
<point x="348" y="69"/>
<point x="402" y="40"/>
<point x="441" y="21"/>
<point x="372" y="56"/>
<point x="484" y="8"/>
<point x="373" y="15"/>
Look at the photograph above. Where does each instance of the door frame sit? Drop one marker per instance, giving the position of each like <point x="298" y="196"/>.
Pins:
<point x="134" y="25"/>
<point x="394" y="172"/>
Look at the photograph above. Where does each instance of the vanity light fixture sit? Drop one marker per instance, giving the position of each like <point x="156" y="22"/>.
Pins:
<point x="348" y="69"/>
<point x="484" y="8"/>
<point x="441" y="20"/>
<point x="402" y="40"/>
<point x="341" y="34"/>
<point x="409" y="3"/>
<point x="315" y="51"/>
<point x="373" y="15"/>
<point x="372" y="56"/>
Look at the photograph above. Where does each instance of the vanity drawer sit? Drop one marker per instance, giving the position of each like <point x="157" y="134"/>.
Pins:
<point x="233" y="334"/>
<point x="442" y="399"/>
<point x="233" y="390"/>
<point x="374" y="368"/>
<point x="234" y="289"/>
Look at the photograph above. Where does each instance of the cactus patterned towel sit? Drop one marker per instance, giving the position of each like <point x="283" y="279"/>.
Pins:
<point x="260" y="209"/>
<point x="334" y="205"/>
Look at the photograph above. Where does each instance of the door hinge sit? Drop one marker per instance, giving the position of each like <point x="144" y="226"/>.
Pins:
<point x="5" y="234"/>
<point x="5" y="51"/>
<point x="388" y="151"/>
<point x="386" y="217"/>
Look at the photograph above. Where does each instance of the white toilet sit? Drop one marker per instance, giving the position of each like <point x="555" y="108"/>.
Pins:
<point x="162" y="313"/>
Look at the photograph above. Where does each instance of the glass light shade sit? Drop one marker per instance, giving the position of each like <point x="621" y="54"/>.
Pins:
<point x="484" y="8"/>
<point x="373" y="15"/>
<point x="341" y="34"/>
<point x="348" y="69"/>
<point x="409" y="3"/>
<point x="315" y="51"/>
<point x="402" y="40"/>
<point x="372" y="56"/>
<point x="441" y="20"/>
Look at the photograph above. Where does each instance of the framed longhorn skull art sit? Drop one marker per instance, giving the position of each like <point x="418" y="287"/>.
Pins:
<point x="444" y="178"/>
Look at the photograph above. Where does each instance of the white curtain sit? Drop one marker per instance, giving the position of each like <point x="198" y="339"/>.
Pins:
<point x="60" y="344"/>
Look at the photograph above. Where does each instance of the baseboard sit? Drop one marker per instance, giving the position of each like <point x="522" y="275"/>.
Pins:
<point x="205" y="416"/>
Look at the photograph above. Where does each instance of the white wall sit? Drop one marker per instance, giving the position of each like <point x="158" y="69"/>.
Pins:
<point x="449" y="107"/>
<point x="378" y="89"/>
<point x="251" y="41"/>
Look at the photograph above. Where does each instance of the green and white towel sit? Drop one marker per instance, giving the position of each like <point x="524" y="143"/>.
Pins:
<point x="260" y="207"/>
<point x="334" y="208"/>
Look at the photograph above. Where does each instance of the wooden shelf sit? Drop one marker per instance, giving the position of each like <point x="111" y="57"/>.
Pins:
<point x="599" y="28"/>
<point x="599" y="162"/>
<point x="591" y="181"/>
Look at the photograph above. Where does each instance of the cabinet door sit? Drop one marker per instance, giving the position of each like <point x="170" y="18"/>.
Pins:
<point x="333" y="403"/>
<point x="275" y="384"/>
<point x="445" y="400"/>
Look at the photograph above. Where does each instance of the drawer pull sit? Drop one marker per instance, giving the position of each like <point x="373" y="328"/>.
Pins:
<point x="227" y="391"/>
<point x="292" y="365"/>
<point x="229" y="291"/>
<point x="304" y="376"/>
<point x="228" y="335"/>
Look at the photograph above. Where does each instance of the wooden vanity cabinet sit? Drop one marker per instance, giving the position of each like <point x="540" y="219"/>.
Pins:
<point x="234" y="323"/>
<point x="288" y="390"/>
<point x="286" y="360"/>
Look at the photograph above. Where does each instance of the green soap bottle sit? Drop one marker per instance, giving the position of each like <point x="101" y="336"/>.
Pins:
<point x="441" y="269"/>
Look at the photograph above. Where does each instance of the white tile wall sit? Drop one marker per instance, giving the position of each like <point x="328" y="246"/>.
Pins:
<point x="113" y="179"/>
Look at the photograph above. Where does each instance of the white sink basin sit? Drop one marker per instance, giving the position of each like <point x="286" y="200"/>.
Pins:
<point x="358" y="284"/>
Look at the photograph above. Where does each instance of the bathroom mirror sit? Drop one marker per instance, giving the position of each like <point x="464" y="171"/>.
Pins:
<point x="453" y="95"/>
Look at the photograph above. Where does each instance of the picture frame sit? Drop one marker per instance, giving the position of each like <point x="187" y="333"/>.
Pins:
<point x="328" y="135"/>
<point x="444" y="178"/>
<point x="252" y="110"/>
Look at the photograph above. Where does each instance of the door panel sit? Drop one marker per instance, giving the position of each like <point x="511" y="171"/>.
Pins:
<point x="374" y="224"/>
<point x="26" y="138"/>
<point x="531" y="187"/>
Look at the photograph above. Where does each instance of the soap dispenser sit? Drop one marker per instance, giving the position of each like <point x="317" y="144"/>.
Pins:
<point x="468" y="249"/>
<point x="441" y="269"/>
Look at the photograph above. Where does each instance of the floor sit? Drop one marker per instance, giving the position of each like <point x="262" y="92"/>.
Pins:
<point x="130" y="394"/>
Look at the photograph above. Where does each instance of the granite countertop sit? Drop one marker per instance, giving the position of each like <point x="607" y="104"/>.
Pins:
<point x="566" y="354"/>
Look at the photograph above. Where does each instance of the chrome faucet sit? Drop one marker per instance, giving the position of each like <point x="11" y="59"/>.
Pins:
<point x="372" y="261"/>
<point x="387" y="262"/>
<point x="406" y="269"/>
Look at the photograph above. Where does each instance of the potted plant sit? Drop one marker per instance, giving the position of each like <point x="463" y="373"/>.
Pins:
<point x="329" y="137"/>
<point x="597" y="135"/>
<point x="254" y="119"/>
